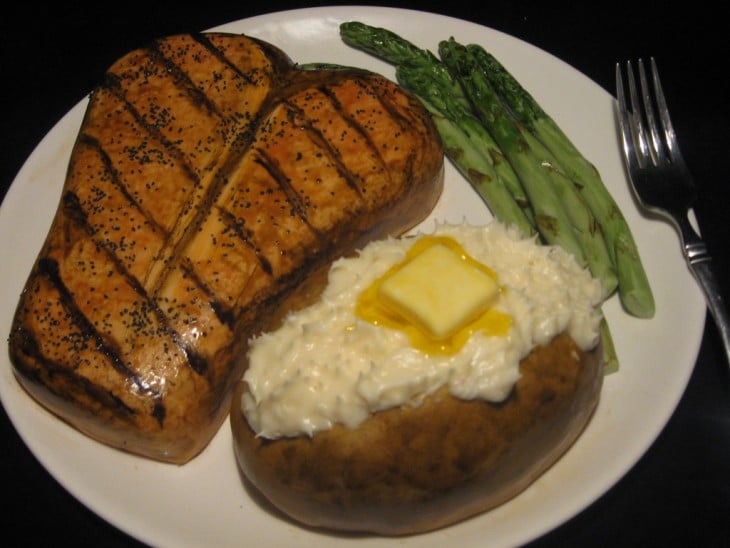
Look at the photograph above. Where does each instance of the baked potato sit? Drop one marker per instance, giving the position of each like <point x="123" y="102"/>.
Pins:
<point x="411" y="469"/>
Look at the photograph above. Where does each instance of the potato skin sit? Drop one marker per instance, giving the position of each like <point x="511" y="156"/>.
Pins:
<point x="411" y="470"/>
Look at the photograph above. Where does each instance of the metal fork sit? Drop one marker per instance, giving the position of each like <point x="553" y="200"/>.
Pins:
<point x="660" y="179"/>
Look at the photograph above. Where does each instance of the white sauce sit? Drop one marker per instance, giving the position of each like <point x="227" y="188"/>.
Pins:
<point x="326" y="366"/>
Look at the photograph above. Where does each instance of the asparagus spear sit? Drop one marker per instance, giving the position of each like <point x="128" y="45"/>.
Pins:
<point x="608" y="349"/>
<point x="466" y="144"/>
<point x="634" y="289"/>
<point x="495" y="115"/>
<point x="391" y="47"/>
<point x="550" y="216"/>
<point x="383" y="43"/>
<point x="588" y="230"/>
<point x="396" y="50"/>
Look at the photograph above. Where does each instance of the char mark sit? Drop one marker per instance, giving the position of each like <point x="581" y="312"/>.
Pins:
<point x="218" y="54"/>
<point x="323" y="143"/>
<point x="183" y="80"/>
<point x="112" y="84"/>
<point x="355" y="125"/>
<point x="199" y="206"/>
<point x="394" y="111"/>
<point x="222" y="312"/>
<point x="49" y="268"/>
<point x="159" y="412"/>
<point x="28" y="345"/>
<point x="292" y="197"/>
<point x="107" y="162"/>
<point x="74" y="211"/>
<point x="235" y="225"/>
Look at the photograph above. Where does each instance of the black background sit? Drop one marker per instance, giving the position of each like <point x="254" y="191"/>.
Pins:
<point x="679" y="492"/>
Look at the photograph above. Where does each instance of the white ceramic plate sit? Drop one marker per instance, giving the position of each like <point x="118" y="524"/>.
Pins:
<point x="203" y="502"/>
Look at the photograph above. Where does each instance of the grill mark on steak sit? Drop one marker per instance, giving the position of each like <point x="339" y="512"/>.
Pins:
<point x="76" y="213"/>
<point x="185" y="227"/>
<point x="49" y="268"/>
<point x="112" y="84"/>
<point x="123" y="189"/>
<point x="354" y="124"/>
<point x="397" y="114"/>
<point x="298" y="206"/>
<point x="236" y="225"/>
<point x="222" y="312"/>
<point x="193" y="359"/>
<point x="216" y="52"/>
<point x="321" y="141"/>
<point x="104" y="398"/>
<point x="183" y="80"/>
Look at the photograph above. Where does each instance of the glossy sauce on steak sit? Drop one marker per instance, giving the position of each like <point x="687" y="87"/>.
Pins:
<point x="210" y="180"/>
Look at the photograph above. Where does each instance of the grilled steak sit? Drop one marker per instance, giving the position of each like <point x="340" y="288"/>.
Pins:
<point x="210" y="179"/>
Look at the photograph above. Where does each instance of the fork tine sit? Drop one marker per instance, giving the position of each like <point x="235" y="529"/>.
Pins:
<point x="670" y="138"/>
<point x="625" y="122"/>
<point x="656" y="150"/>
<point x="635" y="144"/>
<point x="637" y="122"/>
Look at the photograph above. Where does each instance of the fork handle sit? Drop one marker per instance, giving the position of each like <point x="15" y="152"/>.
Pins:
<point x="700" y="262"/>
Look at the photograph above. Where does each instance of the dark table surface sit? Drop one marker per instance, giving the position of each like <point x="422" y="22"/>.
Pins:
<point x="679" y="492"/>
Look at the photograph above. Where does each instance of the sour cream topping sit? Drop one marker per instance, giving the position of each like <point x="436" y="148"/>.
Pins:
<point x="325" y="365"/>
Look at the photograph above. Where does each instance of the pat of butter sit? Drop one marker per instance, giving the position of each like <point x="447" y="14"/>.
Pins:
<point x="439" y="291"/>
